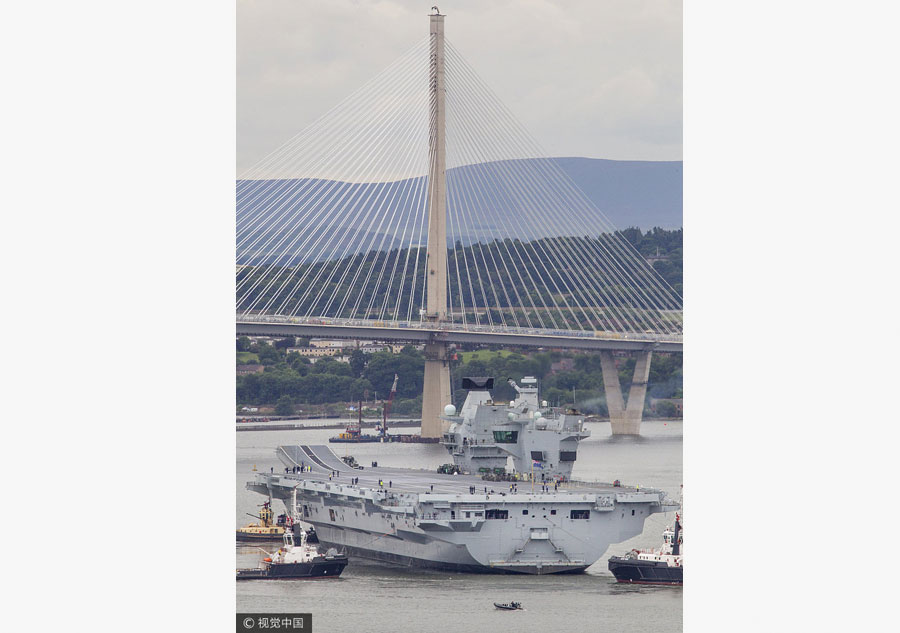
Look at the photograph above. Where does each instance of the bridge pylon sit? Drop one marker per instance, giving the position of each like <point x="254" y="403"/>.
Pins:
<point x="625" y="420"/>
<point x="436" y="392"/>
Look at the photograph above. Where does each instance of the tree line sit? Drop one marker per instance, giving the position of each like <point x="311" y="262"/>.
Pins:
<point x="292" y="380"/>
<point x="490" y="278"/>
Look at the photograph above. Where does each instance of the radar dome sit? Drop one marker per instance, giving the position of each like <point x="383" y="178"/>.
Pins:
<point x="449" y="410"/>
<point x="544" y="403"/>
<point x="511" y="416"/>
<point x="537" y="414"/>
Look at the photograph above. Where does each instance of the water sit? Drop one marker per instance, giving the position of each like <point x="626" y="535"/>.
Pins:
<point x="376" y="598"/>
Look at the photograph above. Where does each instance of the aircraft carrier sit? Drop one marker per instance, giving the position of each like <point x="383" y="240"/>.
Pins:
<point x="469" y="522"/>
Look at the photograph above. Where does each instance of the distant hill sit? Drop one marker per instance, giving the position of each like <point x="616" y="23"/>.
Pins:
<point x="631" y="192"/>
<point x="641" y="194"/>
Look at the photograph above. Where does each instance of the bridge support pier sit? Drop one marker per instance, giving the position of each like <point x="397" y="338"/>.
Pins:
<point x="436" y="392"/>
<point x="625" y="420"/>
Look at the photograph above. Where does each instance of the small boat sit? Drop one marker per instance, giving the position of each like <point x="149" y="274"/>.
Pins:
<point x="663" y="566"/>
<point x="509" y="606"/>
<point x="296" y="561"/>
<point x="266" y="529"/>
<point x="354" y="434"/>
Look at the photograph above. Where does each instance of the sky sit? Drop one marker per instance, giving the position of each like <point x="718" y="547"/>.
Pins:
<point x="593" y="78"/>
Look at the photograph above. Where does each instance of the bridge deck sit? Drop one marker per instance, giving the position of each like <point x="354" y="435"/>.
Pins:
<point x="524" y="338"/>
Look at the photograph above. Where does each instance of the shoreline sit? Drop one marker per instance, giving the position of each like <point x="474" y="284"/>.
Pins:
<point x="296" y="424"/>
<point x="290" y="425"/>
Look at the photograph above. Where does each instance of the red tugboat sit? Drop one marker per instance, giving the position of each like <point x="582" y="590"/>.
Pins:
<point x="664" y="566"/>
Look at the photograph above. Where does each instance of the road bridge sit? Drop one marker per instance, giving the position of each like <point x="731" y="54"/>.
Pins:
<point x="411" y="207"/>
<point x="430" y="334"/>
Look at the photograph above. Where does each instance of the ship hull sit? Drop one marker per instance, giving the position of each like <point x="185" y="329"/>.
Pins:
<point x="365" y="439"/>
<point x="401" y="560"/>
<point x="645" y="572"/>
<point x="259" y="538"/>
<point x="318" y="568"/>
<point x="412" y="542"/>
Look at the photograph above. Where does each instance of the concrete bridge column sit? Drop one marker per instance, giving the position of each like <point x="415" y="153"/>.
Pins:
<point x="436" y="392"/>
<point x="625" y="420"/>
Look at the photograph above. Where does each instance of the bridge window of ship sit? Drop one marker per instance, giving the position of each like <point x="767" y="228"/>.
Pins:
<point x="632" y="513"/>
<point x="552" y="511"/>
<point x="580" y="514"/>
<point x="506" y="437"/>
<point x="497" y="514"/>
<point x="524" y="511"/>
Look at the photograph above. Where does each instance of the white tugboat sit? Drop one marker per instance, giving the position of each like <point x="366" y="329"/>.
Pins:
<point x="663" y="566"/>
<point x="296" y="561"/>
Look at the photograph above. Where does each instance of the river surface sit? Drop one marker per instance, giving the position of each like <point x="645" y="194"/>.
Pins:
<point x="371" y="598"/>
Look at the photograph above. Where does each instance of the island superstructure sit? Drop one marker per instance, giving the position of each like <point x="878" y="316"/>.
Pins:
<point x="485" y="435"/>
<point x="462" y="522"/>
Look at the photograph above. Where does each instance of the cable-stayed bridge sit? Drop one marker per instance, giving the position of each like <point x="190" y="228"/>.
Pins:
<point x="419" y="209"/>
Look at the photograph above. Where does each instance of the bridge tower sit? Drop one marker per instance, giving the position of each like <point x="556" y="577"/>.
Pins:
<point x="625" y="420"/>
<point x="436" y="393"/>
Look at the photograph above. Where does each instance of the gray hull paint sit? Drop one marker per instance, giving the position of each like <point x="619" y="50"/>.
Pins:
<point x="397" y="560"/>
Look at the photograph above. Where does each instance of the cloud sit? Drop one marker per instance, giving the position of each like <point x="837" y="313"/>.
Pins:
<point x="587" y="78"/>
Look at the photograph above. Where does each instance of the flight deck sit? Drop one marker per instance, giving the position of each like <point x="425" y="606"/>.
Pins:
<point x="324" y="462"/>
